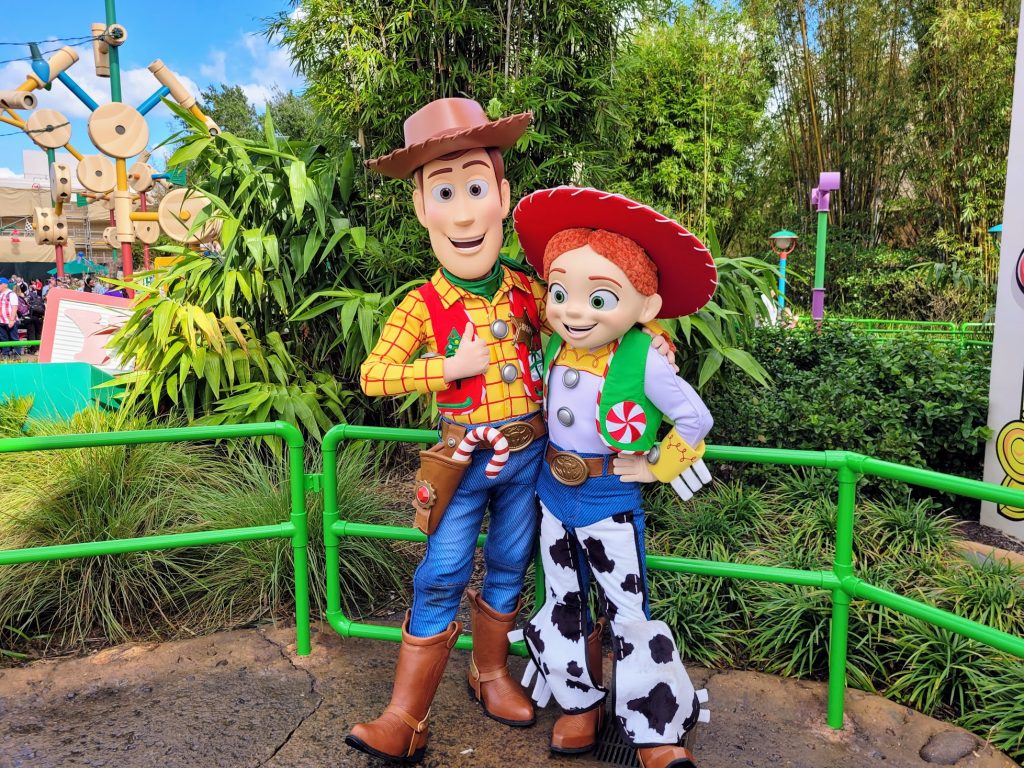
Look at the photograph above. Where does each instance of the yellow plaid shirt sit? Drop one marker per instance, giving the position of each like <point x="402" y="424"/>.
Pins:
<point x="390" y="369"/>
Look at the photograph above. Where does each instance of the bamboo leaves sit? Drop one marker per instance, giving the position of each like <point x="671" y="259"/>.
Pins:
<point x="213" y="338"/>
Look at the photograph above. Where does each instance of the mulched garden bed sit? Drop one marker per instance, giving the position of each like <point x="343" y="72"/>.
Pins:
<point x="983" y="534"/>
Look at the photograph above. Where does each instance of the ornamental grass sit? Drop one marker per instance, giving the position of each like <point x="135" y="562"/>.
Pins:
<point x="92" y="494"/>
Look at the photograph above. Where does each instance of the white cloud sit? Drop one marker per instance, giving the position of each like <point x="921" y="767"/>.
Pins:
<point x="257" y="94"/>
<point x="271" y="70"/>
<point x="7" y="173"/>
<point x="215" y="70"/>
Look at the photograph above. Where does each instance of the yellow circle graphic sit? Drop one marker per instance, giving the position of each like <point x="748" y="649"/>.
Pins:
<point x="1012" y="513"/>
<point x="1010" y="450"/>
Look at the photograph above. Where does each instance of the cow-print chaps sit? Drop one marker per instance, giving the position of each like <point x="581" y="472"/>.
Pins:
<point x="654" y="700"/>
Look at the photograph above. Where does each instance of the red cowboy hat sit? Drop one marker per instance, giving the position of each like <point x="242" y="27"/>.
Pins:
<point x="448" y="125"/>
<point x="687" y="277"/>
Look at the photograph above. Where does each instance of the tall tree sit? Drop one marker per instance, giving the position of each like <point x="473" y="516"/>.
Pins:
<point x="230" y="109"/>
<point x="372" y="63"/>
<point x="691" y="95"/>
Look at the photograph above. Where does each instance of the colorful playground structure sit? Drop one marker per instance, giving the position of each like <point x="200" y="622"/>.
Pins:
<point x="120" y="133"/>
<point x="72" y="361"/>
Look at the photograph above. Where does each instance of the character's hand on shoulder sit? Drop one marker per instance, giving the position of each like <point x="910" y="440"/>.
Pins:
<point x="471" y="358"/>
<point x="660" y="343"/>
<point x="633" y="468"/>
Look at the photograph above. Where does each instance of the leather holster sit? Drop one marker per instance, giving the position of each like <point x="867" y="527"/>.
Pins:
<point x="437" y="480"/>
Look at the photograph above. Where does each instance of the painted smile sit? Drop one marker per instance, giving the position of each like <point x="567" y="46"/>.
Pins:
<point x="467" y="245"/>
<point x="580" y="330"/>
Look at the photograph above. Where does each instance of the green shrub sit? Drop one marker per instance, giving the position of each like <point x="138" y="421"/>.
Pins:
<point x="898" y="399"/>
<point x="998" y="715"/>
<point x="899" y="545"/>
<point x="13" y="414"/>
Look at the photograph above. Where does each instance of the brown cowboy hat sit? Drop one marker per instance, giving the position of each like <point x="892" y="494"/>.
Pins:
<point x="448" y="125"/>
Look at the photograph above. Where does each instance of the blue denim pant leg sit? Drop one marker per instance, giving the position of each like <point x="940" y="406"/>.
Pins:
<point x="512" y="531"/>
<point x="444" y="573"/>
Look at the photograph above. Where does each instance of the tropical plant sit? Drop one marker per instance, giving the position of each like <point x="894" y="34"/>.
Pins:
<point x="372" y="63"/>
<point x="212" y="335"/>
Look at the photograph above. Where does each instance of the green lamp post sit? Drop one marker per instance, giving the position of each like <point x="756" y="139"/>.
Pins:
<point x="783" y="242"/>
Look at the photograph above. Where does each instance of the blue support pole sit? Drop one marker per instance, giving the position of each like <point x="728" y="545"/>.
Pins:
<point x="72" y="86"/>
<point x="153" y="100"/>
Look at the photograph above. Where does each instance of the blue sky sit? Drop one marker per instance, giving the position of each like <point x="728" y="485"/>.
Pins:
<point x="204" y="43"/>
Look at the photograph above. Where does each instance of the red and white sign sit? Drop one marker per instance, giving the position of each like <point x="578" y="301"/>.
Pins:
<point x="78" y="328"/>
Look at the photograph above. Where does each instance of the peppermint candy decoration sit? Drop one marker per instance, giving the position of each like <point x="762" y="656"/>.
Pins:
<point x="626" y="422"/>
<point x="478" y="435"/>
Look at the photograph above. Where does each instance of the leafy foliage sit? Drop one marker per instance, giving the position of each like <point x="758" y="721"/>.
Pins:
<point x="93" y="494"/>
<point x="691" y="93"/>
<point x="370" y="64"/>
<point x="899" y="399"/>
<point x="213" y="335"/>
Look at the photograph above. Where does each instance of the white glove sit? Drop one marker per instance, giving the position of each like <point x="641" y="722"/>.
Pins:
<point x="692" y="480"/>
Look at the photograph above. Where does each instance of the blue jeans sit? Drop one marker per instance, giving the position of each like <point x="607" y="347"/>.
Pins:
<point x="9" y="334"/>
<point x="444" y="573"/>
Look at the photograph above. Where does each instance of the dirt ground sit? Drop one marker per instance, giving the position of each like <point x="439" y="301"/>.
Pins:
<point x="244" y="699"/>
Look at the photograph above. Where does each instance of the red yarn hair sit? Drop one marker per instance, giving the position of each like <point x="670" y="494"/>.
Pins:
<point x="618" y="249"/>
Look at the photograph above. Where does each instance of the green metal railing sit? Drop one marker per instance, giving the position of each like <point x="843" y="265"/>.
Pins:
<point x="960" y="334"/>
<point x="839" y="580"/>
<point x="19" y="344"/>
<point x="295" y="528"/>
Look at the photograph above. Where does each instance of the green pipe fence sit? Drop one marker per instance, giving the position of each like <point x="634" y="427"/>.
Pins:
<point x="840" y="580"/>
<point x="960" y="334"/>
<point x="19" y="343"/>
<point x="295" y="528"/>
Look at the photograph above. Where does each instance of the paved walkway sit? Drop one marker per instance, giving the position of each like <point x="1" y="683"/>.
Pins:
<point x="244" y="699"/>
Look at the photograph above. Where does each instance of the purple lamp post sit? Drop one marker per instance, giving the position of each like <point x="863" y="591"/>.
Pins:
<point x="828" y="182"/>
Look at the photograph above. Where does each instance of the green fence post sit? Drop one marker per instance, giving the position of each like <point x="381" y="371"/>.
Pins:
<point x="300" y="541"/>
<point x="842" y="567"/>
<point x="333" y="566"/>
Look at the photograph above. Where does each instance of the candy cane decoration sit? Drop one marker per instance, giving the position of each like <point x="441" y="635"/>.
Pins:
<point x="478" y="435"/>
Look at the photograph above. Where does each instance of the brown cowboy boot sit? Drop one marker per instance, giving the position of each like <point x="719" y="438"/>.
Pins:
<point x="502" y="697"/>
<point x="400" y="734"/>
<point x="665" y="756"/>
<point x="575" y="734"/>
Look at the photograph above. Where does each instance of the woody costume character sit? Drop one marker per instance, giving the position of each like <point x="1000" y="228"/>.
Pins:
<point x="479" y="321"/>
<point x="611" y="263"/>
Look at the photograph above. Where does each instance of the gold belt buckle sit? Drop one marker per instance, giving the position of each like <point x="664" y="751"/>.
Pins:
<point x="518" y="433"/>
<point x="568" y="468"/>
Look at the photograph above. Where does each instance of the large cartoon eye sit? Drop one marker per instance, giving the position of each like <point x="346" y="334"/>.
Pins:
<point x="443" y="192"/>
<point x="603" y="300"/>
<point x="557" y="293"/>
<point x="477" y="189"/>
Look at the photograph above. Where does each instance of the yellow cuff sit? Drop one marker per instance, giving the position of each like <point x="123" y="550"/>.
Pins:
<point x="428" y="373"/>
<point x="676" y="456"/>
<point x="655" y="330"/>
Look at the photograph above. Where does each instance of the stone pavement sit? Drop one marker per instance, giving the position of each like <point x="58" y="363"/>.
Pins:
<point x="244" y="699"/>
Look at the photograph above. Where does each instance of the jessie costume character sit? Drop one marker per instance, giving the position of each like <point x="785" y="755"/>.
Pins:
<point x="611" y="263"/>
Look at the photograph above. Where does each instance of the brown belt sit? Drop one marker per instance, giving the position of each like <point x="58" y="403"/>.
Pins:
<point x="518" y="433"/>
<point x="572" y="469"/>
